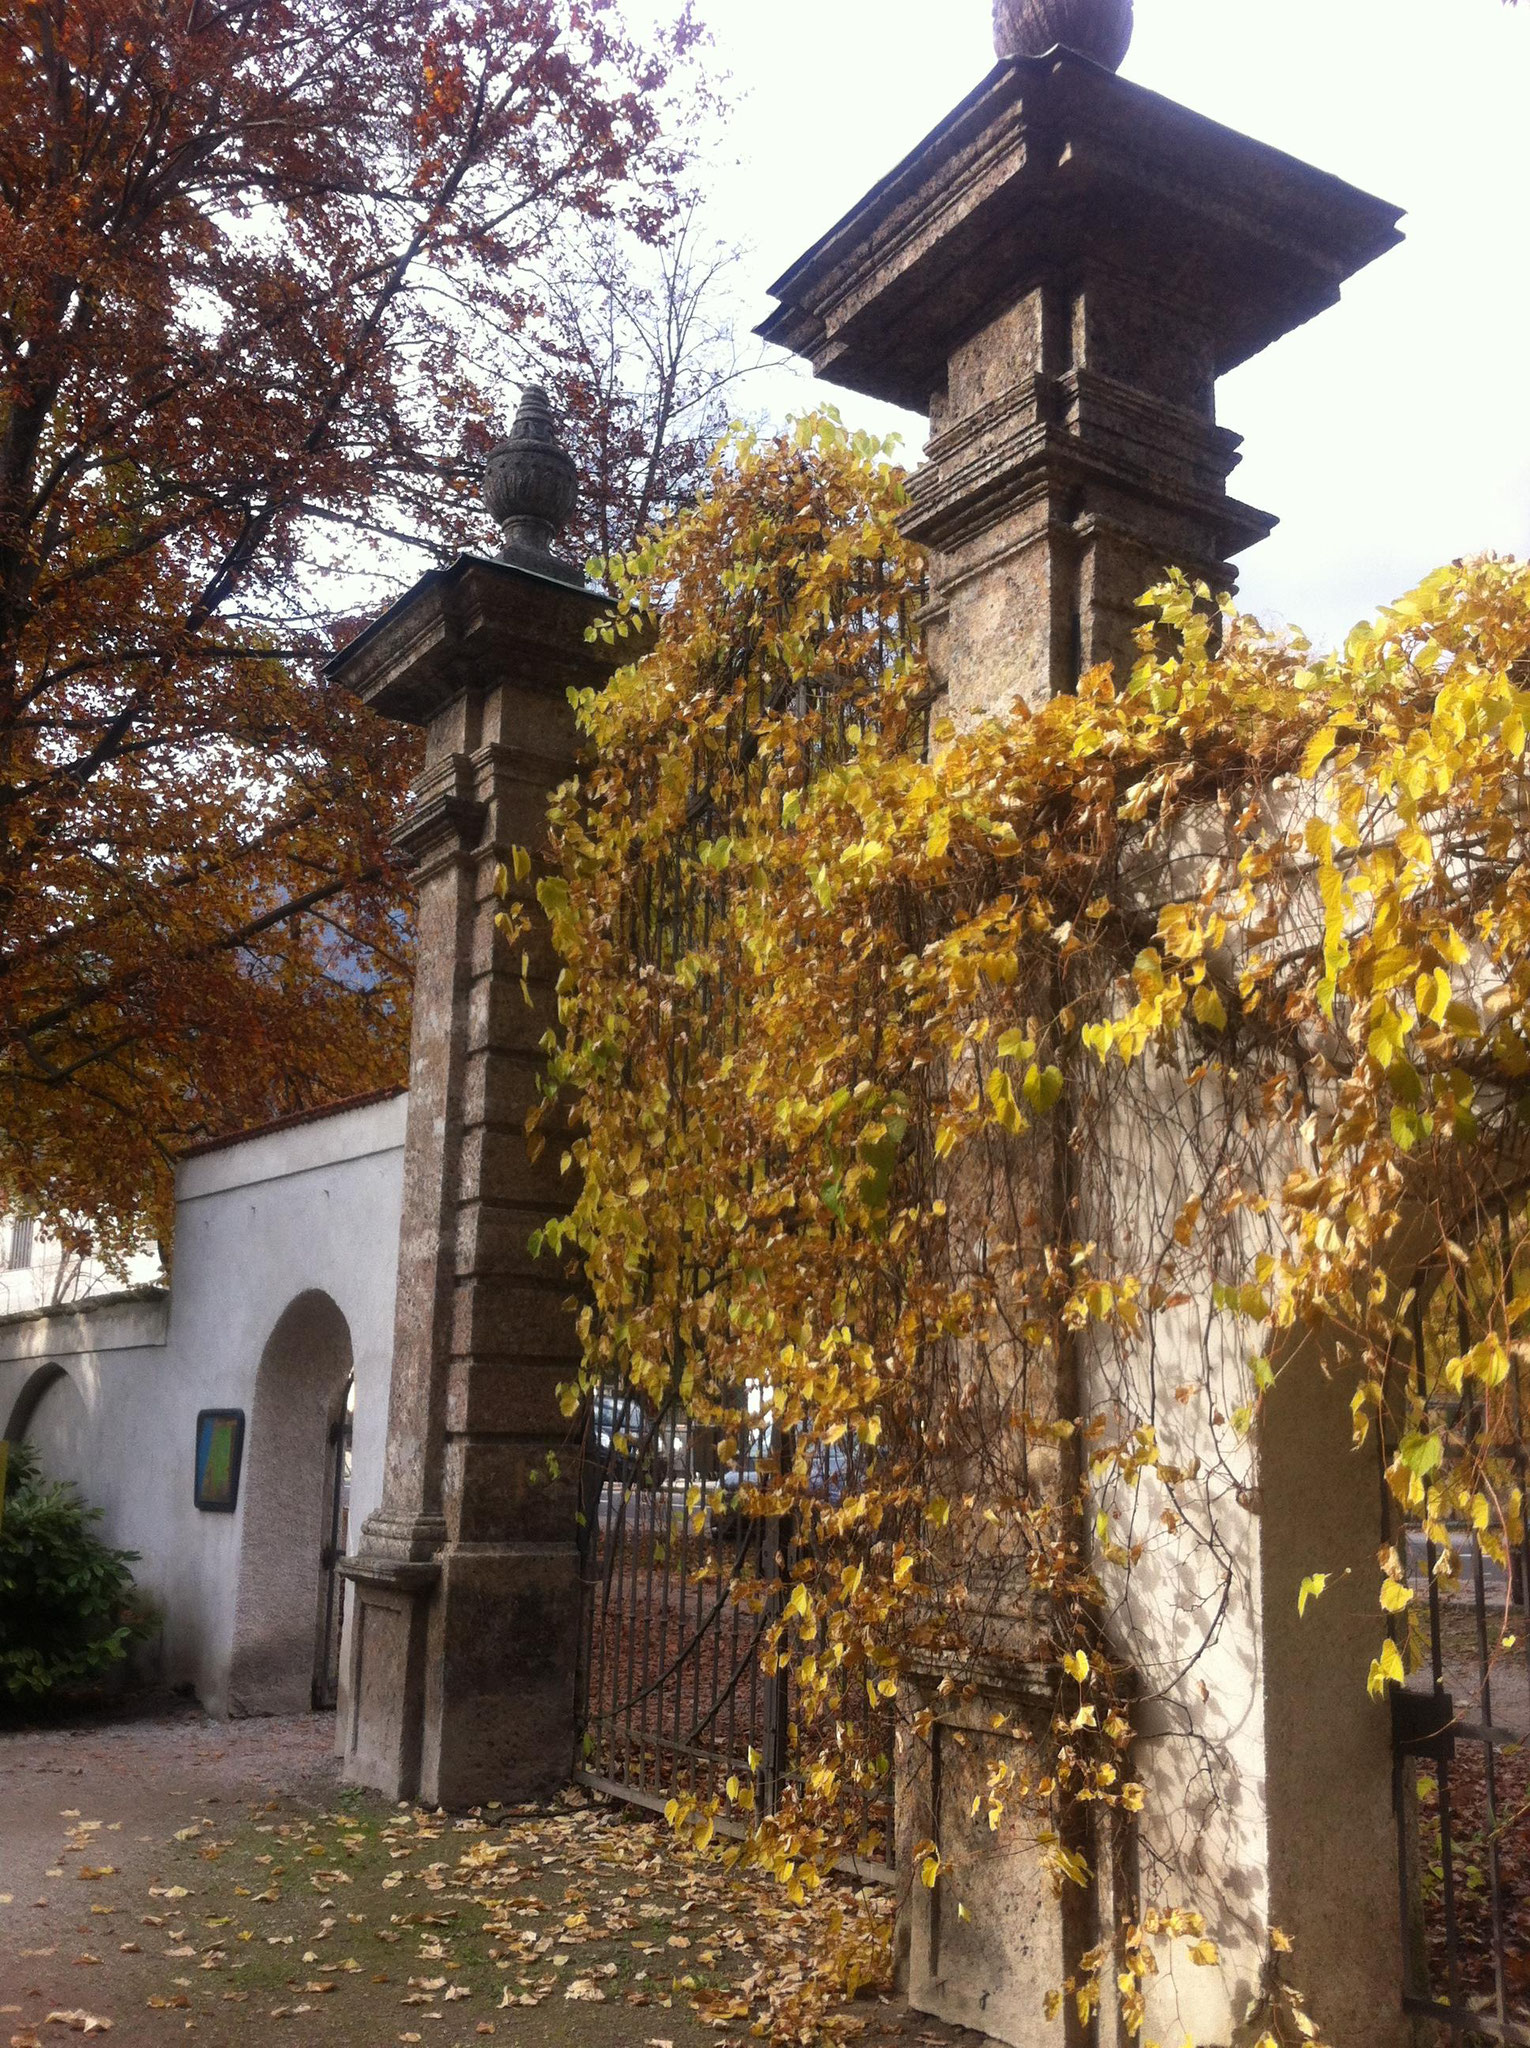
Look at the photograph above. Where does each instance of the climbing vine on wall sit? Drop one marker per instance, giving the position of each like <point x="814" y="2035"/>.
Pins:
<point x="930" y="1088"/>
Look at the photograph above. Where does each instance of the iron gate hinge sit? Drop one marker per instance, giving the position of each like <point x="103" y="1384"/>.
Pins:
<point x="1423" y="1724"/>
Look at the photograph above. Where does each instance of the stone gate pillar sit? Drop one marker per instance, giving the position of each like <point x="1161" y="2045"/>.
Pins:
<point x="466" y="1586"/>
<point x="1059" y="274"/>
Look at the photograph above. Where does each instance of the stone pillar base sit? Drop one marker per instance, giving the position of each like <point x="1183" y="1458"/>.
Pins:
<point x="987" y="1944"/>
<point x="383" y="1707"/>
<point x="502" y="1641"/>
<point x="461" y="1681"/>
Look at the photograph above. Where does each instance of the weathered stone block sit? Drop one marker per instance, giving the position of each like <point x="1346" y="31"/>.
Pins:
<point x="491" y="954"/>
<point x="502" y="1318"/>
<point x="512" y="1489"/>
<point x="495" y="1238"/>
<point x="499" y="1712"/>
<point x="508" y="1398"/>
<point x="496" y="1165"/>
<point x="500" y="1087"/>
<point x="385" y="1694"/>
<point x="496" y="1013"/>
<point x="993" y="1936"/>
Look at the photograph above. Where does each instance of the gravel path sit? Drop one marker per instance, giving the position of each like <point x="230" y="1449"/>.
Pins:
<point x="139" y="1781"/>
<point x="173" y="1875"/>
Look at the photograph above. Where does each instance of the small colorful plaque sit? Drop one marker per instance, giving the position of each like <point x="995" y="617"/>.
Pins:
<point x="220" y="1452"/>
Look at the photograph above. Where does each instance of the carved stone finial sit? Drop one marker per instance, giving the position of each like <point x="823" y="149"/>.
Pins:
<point x="531" y="486"/>
<point x="1101" y="29"/>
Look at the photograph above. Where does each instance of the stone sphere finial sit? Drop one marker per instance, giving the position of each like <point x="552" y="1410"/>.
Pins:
<point x="530" y="485"/>
<point x="1101" y="29"/>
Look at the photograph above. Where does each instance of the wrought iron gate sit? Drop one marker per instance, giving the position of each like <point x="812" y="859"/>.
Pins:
<point x="1462" y="1724"/>
<point x="337" y="1515"/>
<point x="680" y="1592"/>
<point x="682" y="1589"/>
<point x="681" y="1582"/>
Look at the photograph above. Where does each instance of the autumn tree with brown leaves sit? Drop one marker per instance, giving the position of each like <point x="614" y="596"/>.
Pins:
<point x="247" y="254"/>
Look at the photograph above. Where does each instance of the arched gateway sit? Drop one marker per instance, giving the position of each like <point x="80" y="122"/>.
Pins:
<point x="286" y="1603"/>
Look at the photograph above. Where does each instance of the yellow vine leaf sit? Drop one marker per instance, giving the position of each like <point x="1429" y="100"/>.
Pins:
<point x="1387" y="1669"/>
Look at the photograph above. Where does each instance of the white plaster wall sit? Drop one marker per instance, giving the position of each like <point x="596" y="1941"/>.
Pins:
<point x="312" y="1208"/>
<point x="1267" y="1765"/>
<point x="1187" y="1613"/>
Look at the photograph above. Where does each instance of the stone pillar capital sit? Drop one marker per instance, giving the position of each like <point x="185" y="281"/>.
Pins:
<point x="1059" y="274"/>
<point x="403" y="1540"/>
<point x="445" y="816"/>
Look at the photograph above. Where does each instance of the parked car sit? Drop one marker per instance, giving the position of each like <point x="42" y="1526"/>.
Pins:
<point x="829" y="1478"/>
<point x="632" y="1444"/>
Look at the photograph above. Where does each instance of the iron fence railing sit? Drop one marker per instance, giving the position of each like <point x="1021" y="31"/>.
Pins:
<point x="684" y="1580"/>
<point x="1462" y="1724"/>
<point x="681" y="1588"/>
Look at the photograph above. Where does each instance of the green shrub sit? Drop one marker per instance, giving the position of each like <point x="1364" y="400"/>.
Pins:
<point x="68" y="1606"/>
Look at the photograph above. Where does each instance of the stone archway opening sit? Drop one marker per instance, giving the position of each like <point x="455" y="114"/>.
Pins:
<point x="50" y="1414"/>
<point x="305" y="1370"/>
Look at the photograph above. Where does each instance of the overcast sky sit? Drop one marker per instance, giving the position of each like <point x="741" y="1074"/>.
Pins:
<point x="1390" y="434"/>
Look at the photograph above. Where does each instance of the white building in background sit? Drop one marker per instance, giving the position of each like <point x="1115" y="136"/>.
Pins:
<point x="37" y="1272"/>
<point x="273" y="1344"/>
